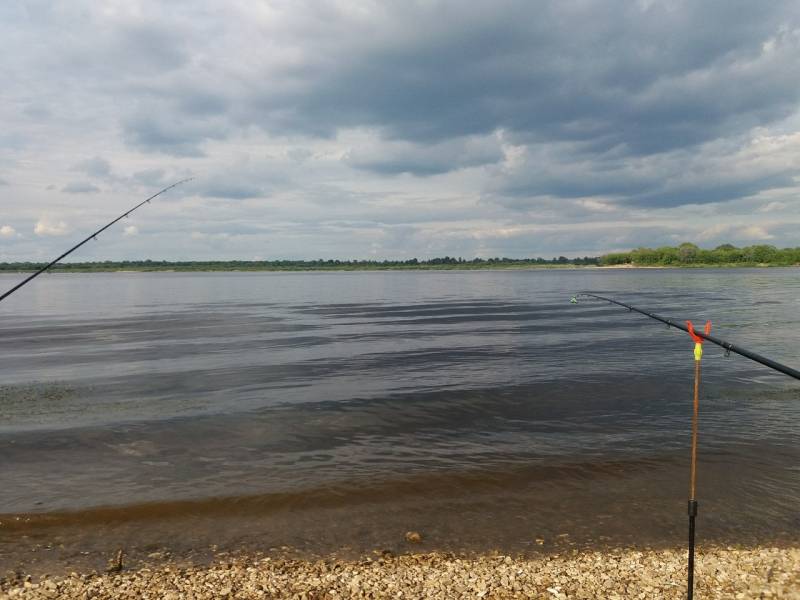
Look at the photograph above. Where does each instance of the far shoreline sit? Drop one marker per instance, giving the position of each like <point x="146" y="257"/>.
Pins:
<point x="62" y="269"/>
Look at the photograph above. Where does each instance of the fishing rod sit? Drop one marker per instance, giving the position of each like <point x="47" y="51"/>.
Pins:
<point x="91" y="237"/>
<point x="698" y="337"/>
<point x="767" y="362"/>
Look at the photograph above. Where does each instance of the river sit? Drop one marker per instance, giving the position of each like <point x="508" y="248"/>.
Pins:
<point x="332" y="412"/>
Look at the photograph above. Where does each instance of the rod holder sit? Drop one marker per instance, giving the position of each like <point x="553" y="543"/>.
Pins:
<point x="690" y="572"/>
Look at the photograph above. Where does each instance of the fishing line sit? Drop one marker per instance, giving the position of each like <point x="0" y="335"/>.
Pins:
<point x="91" y="237"/>
<point x="698" y="338"/>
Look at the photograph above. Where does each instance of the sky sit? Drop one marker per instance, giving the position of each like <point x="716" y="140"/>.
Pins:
<point x="397" y="129"/>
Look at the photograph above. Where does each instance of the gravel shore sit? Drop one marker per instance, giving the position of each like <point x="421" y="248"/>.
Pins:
<point x="721" y="573"/>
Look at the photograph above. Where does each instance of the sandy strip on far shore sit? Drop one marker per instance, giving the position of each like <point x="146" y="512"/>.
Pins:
<point x="721" y="573"/>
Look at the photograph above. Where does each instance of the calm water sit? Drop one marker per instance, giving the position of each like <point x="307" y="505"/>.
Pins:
<point x="335" y="411"/>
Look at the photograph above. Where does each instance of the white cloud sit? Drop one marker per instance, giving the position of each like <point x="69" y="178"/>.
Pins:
<point x="714" y="232"/>
<point x="6" y="231"/>
<point x="200" y="236"/>
<point x="755" y="232"/>
<point x="131" y="230"/>
<point x="596" y="205"/>
<point x="47" y="227"/>
<point x="733" y="232"/>
<point x="772" y="207"/>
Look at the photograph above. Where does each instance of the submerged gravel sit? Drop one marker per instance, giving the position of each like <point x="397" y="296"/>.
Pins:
<point x="721" y="573"/>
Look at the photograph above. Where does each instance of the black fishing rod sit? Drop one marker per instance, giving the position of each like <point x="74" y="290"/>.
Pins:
<point x="767" y="362"/>
<point x="91" y="237"/>
<point x="698" y="337"/>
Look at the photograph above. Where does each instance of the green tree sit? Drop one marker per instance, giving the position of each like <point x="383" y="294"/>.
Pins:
<point x="687" y="252"/>
<point x="763" y="253"/>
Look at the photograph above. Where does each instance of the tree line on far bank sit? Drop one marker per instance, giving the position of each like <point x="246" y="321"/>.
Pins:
<point x="688" y="254"/>
<point x="446" y="262"/>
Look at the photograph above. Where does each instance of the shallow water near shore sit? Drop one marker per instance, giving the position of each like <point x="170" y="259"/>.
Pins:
<point x="332" y="412"/>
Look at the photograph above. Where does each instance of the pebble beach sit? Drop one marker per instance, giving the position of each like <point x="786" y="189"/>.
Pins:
<point x="728" y="573"/>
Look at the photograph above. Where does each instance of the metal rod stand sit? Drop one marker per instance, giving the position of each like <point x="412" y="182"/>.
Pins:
<point x="693" y="475"/>
<point x="690" y="575"/>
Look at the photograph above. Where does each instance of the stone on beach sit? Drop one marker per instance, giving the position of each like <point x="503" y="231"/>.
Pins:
<point x="721" y="573"/>
<point x="414" y="537"/>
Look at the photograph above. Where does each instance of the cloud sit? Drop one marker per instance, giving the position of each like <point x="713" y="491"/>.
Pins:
<point x="95" y="167"/>
<point x="163" y="129"/>
<point x="368" y="128"/>
<point x="445" y="70"/>
<point x="230" y="189"/>
<point x="714" y="172"/>
<point x="594" y="205"/>
<point x="201" y="236"/>
<point x="130" y="231"/>
<point x="246" y="177"/>
<point x="47" y="227"/>
<point x="439" y="72"/>
<point x="624" y="122"/>
<point x="151" y="177"/>
<point x="735" y="233"/>
<point x="299" y="155"/>
<point x="772" y="206"/>
<point x="394" y="158"/>
<point x="80" y="187"/>
<point x="147" y="46"/>
<point x="6" y="231"/>
<point x="755" y="232"/>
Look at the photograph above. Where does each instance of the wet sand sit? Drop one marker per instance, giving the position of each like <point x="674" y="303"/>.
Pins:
<point x="625" y="573"/>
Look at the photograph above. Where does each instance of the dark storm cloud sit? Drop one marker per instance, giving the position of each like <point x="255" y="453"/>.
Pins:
<point x="720" y="171"/>
<point x="393" y="158"/>
<point x="606" y="73"/>
<point x="709" y="191"/>
<point x="616" y="81"/>
<point x="622" y="79"/>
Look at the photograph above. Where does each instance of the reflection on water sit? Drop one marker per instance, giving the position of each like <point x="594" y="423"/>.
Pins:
<point x="333" y="410"/>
